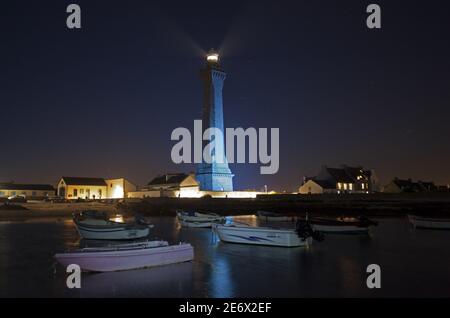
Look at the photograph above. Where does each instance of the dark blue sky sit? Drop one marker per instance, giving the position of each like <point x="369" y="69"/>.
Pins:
<point x="103" y="100"/>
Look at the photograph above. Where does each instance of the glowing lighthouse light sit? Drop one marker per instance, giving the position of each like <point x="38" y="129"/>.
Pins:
<point x="212" y="57"/>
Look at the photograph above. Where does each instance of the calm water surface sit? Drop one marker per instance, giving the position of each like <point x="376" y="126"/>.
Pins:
<point x="414" y="263"/>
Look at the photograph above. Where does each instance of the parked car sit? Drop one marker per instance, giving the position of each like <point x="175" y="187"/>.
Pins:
<point x="55" y="199"/>
<point x="17" y="198"/>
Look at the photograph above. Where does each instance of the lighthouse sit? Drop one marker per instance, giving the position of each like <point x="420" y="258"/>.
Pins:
<point x="214" y="176"/>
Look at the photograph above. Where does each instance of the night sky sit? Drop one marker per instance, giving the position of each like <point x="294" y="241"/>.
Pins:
<point x="102" y="101"/>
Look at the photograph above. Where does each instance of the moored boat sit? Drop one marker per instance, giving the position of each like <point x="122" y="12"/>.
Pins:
<point x="429" y="222"/>
<point x="268" y="216"/>
<point x="97" y="227"/>
<point x="239" y="233"/>
<point x="196" y="219"/>
<point x="204" y="224"/>
<point x="127" y="256"/>
<point x="343" y="225"/>
<point x="199" y="217"/>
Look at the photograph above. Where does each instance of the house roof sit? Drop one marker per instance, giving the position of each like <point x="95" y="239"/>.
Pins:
<point x="84" y="181"/>
<point x="409" y="185"/>
<point x="168" y="179"/>
<point x="19" y="186"/>
<point x="354" y="172"/>
<point x="340" y="175"/>
<point x="325" y="184"/>
<point x="404" y="183"/>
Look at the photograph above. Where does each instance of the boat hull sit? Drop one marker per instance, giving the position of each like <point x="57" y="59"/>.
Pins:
<point x="343" y="229"/>
<point x="260" y="236"/>
<point x="109" y="261"/>
<point x="197" y="224"/>
<point x="429" y="223"/>
<point x="112" y="233"/>
<point x="199" y="219"/>
<point x="276" y="218"/>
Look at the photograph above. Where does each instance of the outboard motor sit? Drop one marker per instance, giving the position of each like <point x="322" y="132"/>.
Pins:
<point x="304" y="230"/>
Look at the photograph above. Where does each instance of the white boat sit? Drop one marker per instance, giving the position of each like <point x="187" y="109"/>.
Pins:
<point x="236" y="233"/>
<point x="197" y="224"/>
<point x="429" y="223"/>
<point x="199" y="217"/>
<point x="92" y="227"/>
<point x="196" y="219"/>
<point x="127" y="256"/>
<point x="342" y="225"/>
<point x="111" y="231"/>
<point x="274" y="217"/>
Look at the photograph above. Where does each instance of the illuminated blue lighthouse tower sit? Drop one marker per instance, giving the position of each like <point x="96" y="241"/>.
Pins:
<point x="214" y="176"/>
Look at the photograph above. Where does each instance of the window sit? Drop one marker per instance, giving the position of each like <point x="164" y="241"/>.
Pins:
<point x="81" y="191"/>
<point x="100" y="192"/>
<point x="34" y="193"/>
<point x="75" y="192"/>
<point x="345" y="186"/>
<point x="339" y="185"/>
<point x="363" y="186"/>
<point x="350" y="186"/>
<point x="2" y="194"/>
<point x="13" y="192"/>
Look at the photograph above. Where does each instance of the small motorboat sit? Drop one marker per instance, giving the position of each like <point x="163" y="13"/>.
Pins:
<point x="127" y="256"/>
<point x="423" y="222"/>
<point x="342" y="225"/>
<point x="97" y="226"/>
<point x="268" y="216"/>
<point x="204" y="224"/>
<point x="245" y="234"/>
<point x="196" y="219"/>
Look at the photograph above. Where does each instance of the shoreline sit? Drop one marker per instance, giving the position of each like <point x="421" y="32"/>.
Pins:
<point x="370" y="205"/>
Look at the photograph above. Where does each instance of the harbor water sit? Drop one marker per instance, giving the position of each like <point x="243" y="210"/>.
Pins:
<point x="414" y="263"/>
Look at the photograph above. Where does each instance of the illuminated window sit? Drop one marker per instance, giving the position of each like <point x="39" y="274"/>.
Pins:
<point x="75" y="192"/>
<point x="339" y="185"/>
<point x="345" y="186"/>
<point x="350" y="186"/>
<point x="81" y="191"/>
<point x="363" y="186"/>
